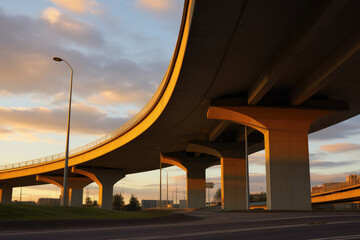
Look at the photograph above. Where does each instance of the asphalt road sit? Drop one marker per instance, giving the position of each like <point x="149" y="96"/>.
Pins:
<point x="219" y="225"/>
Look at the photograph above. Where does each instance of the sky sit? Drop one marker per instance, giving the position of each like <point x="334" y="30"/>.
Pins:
<point x="120" y="51"/>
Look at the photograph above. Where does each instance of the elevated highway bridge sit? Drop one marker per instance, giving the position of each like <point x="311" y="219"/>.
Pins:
<point x="346" y="192"/>
<point x="283" y="68"/>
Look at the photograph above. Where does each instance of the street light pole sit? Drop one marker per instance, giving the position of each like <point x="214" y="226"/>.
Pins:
<point x="167" y="188"/>
<point x="64" y="200"/>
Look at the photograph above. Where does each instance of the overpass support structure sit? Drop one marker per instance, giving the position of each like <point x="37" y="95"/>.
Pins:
<point x="5" y="193"/>
<point x="286" y="150"/>
<point x="105" y="179"/>
<point x="195" y="168"/>
<point x="75" y="187"/>
<point x="234" y="195"/>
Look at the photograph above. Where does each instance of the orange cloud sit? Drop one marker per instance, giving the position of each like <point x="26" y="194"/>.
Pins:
<point x="108" y="97"/>
<point x="155" y="5"/>
<point x="79" y="6"/>
<point x="55" y="17"/>
<point x="51" y="14"/>
<point x="341" y="147"/>
<point x="18" y="123"/>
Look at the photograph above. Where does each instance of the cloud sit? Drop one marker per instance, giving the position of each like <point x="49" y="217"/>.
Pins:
<point x="340" y="147"/>
<point x="68" y="28"/>
<point x="318" y="179"/>
<point x="51" y="14"/>
<point x="104" y="73"/>
<point x="329" y="164"/>
<point x="85" y="120"/>
<point x="341" y="130"/>
<point x="155" y="5"/>
<point x="317" y="156"/>
<point x="257" y="158"/>
<point x="80" y="6"/>
<point x="160" y="8"/>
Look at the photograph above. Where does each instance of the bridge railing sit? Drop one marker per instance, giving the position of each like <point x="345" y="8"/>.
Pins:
<point x="336" y="186"/>
<point x="114" y="134"/>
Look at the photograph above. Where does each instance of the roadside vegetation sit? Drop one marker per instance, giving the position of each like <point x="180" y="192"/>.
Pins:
<point x="15" y="212"/>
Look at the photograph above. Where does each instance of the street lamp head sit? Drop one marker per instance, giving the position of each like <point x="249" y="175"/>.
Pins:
<point x="57" y="59"/>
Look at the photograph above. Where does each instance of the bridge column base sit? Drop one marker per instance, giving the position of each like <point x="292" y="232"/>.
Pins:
<point x="233" y="171"/>
<point x="286" y="150"/>
<point x="76" y="197"/>
<point x="195" y="168"/>
<point x="74" y="191"/>
<point x="105" y="178"/>
<point x="5" y="194"/>
<point x="233" y="184"/>
<point x="195" y="186"/>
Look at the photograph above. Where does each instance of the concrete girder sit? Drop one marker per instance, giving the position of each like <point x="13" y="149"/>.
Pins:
<point x="318" y="79"/>
<point x="233" y="171"/>
<point x="214" y="133"/>
<point x="195" y="175"/>
<point x="286" y="150"/>
<point x="75" y="187"/>
<point x="105" y="179"/>
<point x="298" y="41"/>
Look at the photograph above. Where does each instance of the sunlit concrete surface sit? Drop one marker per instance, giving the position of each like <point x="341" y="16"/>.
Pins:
<point x="342" y="195"/>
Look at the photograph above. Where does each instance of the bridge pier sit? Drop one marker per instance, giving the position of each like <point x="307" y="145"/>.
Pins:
<point x="195" y="168"/>
<point x="105" y="178"/>
<point x="233" y="171"/>
<point x="286" y="150"/>
<point x="75" y="187"/>
<point x="5" y="193"/>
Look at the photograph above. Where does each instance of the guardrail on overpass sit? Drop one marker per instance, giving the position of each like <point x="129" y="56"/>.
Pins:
<point x="336" y="186"/>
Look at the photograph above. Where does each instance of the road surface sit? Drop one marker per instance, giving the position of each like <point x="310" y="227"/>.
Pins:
<point x="219" y="225"/>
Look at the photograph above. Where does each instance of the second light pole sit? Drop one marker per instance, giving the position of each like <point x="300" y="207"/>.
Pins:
<point x="65" y="195"/>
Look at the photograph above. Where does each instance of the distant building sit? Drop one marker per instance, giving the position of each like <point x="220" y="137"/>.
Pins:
<point x="24" y="202"/>
<point x="49" y="201"/>
<point x="182" y="204"/>
<point x="155" y="203"/>
<point x="352" y="179"/>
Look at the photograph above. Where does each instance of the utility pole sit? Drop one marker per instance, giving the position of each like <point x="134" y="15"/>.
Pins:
<point x="20" y="194"/>
<point x="167" y="188"/>
<point x="247" y="170"/>
<point x="160" y="204"/>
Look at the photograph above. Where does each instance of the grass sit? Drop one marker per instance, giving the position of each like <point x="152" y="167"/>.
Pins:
<point x="15" y="212"/>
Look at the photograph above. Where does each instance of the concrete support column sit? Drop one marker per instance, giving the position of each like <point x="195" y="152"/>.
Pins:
<point x="233" y="184"/>
<point x="105" y="178"/>
<point x="76" y="197"/>
<point x="195" y="168"/>
<point x="287" y="169"/>
<point x="195" y="186"/>
<point x="5" y="194"/>
<point x="75" y="187"/>
<point x="233" y="171"/>
<point x="286" y="150"/>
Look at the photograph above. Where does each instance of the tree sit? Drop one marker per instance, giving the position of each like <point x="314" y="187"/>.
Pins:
<point x="133" y="205"/>
<point x="217" y="196"/>
<point x="88" y="202"/>
<point x="118" y="202"/>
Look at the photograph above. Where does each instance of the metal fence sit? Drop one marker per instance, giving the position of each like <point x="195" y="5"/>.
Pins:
<point x="116" y="133"/>
<point x="336" y="186"/>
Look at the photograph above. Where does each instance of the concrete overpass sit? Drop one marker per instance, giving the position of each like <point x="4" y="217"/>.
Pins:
<point x="346" y="192"/>
<point x="283" y="68"/>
